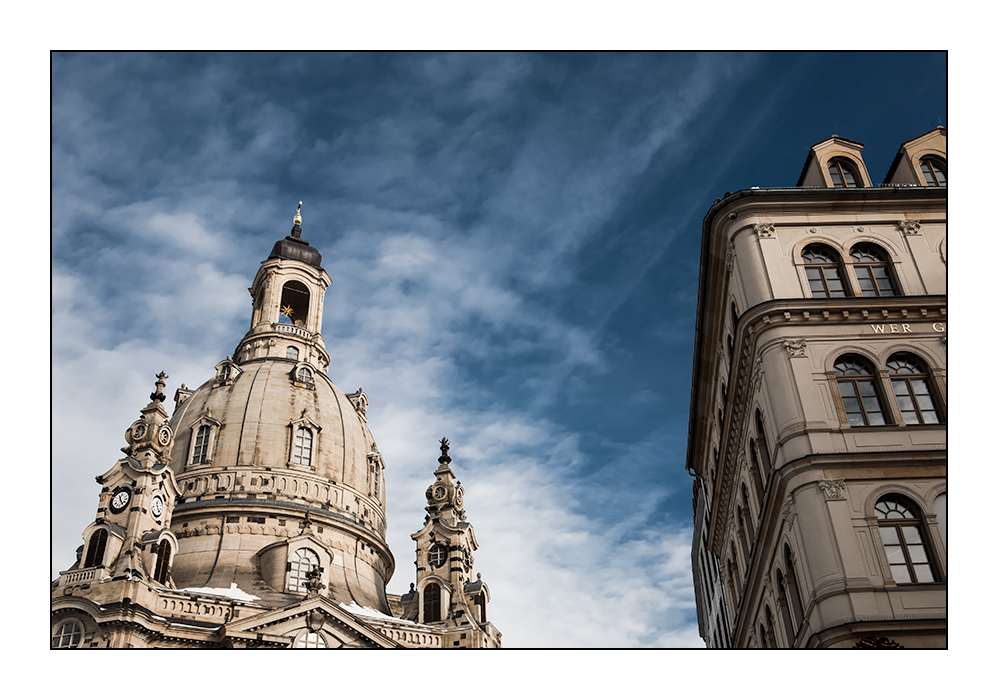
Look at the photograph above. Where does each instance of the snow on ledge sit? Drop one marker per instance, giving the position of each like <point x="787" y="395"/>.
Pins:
<point x="233" y="591"/>
<point x="365" y="611"/>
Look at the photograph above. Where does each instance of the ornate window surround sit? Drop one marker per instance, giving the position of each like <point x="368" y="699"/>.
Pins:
<point x="213" y="427"/>
<point x="316" y="430"/>
<point x="226" y="372"/>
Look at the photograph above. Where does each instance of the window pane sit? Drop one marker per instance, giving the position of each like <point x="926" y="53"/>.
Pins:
<point x="856" y="419"/>
<point x="930" y="417"/>
<point x="867" y="389"/>
<point x="899" y="572"/>
<point x="917" y="554"/>
<point x="876" y="419"/>
<point x="906" y="403"/>
<point x="911" y="534"/>
<point x="889" y="535"/>
<point x="871" y="403"/>
<point x="909" y="417"/>
<point x="847" y="389"/>
<point x="851" y="404"/>
<point x="923" y="573"/>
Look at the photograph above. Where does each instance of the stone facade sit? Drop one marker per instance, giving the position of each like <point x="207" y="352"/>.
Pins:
<point x="255" y="514"/>
<point x="817" y="428"/>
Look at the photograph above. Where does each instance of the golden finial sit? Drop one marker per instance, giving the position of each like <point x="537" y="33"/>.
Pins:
<point x="298" y="215"/>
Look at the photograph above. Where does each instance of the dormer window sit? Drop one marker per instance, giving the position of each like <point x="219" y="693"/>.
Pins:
<point x="934" y="171"/>
<point x="292" y="353"/>
<point x="304" y="375"/>
<point x="843" y="173"/>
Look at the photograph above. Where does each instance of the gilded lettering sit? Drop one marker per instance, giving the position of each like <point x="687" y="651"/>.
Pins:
<point x="876" y="328"/>
<point x="938" y="328"/>
<point x="894" y="328"/>
<point x="906" y="328"/>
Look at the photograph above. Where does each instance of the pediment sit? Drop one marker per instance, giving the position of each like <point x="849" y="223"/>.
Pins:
<point x="340" y="628"/>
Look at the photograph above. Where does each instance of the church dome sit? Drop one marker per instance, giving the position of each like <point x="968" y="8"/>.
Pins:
<point x="259" y="406"/>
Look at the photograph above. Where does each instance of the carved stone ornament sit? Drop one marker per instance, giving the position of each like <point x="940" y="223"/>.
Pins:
<point x="834" y="489"/>
<point x="767" y="582"/>
<point x="315" y="618"/>
<point x="909" y="228"/>
<point x="796" y="348"/>
<point x="877" y="643"/>
<point x="757" y="373"/>
<point x="789" y="512"/>
<point x="731" y="256"/>
<point x="764" y="230"/>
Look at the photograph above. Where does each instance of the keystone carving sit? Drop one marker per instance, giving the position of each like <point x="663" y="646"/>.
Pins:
<point x="834" y="489"/>
<point x="789" y="512"/>
<point x="909" y="228"/>
<point x="796" y="348"/>
<point x="764" y="230"/>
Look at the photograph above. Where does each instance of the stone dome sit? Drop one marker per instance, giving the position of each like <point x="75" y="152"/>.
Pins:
<point x="252" y="489"/>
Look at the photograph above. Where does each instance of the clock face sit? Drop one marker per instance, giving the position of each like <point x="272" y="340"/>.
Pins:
<point x="439" y="492"/>
<point x="438" y="555"/>
<point x="164" y="436"/>
<point x="120" y="500"/>
<point x="138" y="431"/>
<point x="156" y="508"/>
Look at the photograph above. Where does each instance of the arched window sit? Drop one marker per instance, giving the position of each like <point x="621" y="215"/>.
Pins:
<point x="200" y="455"/>
<point x="95" y="549"/>
<point x="67" y="636"/>
<point x="843" y="173"/>
<point x="303" y="446"/>
<point x="304" y="375"/>
<point x="824" y="272"/>
<point x="748" y="513"/>
<point x="857" y="386"/>
<point x="431" y="602"/>
<point x="295" y="301"/>
<point x="310" y="640"/>
<point x="292" y="353"/>
<point x="784" y="601"/>
<point x="763" y="444"/>
<point x="743" y="537"/>
<point x="224" y="373"/>
<point x="873" y="271"/>
<point x="934" y="171"/>
<point x="163" y="562"/>
<point x="480" y="602"/>
<point x="756" y="474"/>
<point x="794" y="587"/>
<point x="733" y="579"/>
<point x="302" y="561"/>
<point x="904" y="542"/>
<point x="910" y="382"/>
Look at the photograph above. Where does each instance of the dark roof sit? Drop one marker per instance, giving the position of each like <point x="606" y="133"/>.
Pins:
<point x="293" y="247"/>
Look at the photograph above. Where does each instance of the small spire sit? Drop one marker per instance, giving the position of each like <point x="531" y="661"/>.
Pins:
<point x="296" y="229"/>
<point x="444" y="457"/>
<point x="158" y="395"/>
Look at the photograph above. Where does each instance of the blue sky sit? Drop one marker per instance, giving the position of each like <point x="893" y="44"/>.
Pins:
<point x="514" y="245"/>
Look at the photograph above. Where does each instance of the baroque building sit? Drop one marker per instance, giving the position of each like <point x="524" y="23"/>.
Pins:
<point x="818" y="414"/>
<point x="254" y="514"/>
